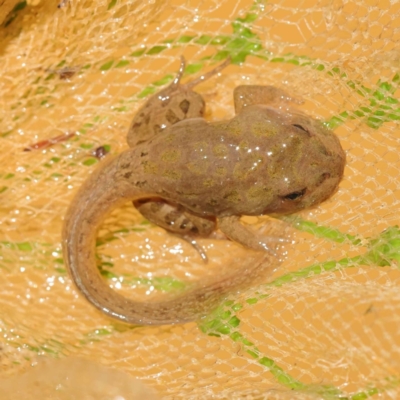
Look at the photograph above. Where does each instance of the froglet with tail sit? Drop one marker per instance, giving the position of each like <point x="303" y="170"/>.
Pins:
<point x="191" y="176"/>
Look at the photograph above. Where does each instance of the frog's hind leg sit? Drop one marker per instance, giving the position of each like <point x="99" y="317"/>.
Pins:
<point x="177" y="220"/>
<point x="248" y="95"/>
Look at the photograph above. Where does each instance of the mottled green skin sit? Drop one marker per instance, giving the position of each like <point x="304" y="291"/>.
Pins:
<point x="264" y="160"/>
<point x="245" y="166"/>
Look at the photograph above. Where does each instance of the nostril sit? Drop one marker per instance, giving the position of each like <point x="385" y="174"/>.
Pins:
<point x="323" y="178"/>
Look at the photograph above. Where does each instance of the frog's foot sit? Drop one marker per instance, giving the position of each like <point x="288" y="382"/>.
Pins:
<point x="233" y="228"/>
<point x="180" y="72"/>
<point x="208" y="74"/>
<point x="200" y="79"/>
<point x="269" y="244"/>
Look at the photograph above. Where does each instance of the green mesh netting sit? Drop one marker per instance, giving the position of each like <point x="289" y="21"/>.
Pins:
<point x="325" y="322"/>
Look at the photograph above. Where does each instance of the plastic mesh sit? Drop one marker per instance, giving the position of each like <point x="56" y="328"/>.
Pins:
<point x="326" y="324"/>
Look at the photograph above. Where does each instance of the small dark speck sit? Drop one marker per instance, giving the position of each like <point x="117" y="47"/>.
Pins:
<point x="157" y="128"/>
<point x="135" y="125"/>
<point x="141" y="184"/>
<point x="62" y="3"/>
<point x="65" y="73"/>
<point x="100" y="152"/>
<point x="323" y="178"/>
<point x="171" y="117"/>
<point x="184" y="106"/>
<point x="127" y="175"/>
<point x="369" y="310"/>
<point x="143" y="154"/>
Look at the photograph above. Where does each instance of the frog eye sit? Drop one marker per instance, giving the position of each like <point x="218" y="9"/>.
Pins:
<point x="301" y="127"/>
<point x="295" y="195"/>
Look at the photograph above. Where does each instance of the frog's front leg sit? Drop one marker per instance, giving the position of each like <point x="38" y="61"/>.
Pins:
<point x="176" y="219"/>
<point x="236" y="231"/>
<point x="248" y="95"/>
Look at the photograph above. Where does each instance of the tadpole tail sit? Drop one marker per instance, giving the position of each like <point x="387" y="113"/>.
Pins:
<point x="105" y="190"/>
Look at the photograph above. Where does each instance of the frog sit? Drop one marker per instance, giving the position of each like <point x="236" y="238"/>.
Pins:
<point x="195" y="176"/>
